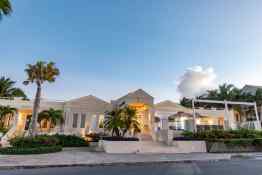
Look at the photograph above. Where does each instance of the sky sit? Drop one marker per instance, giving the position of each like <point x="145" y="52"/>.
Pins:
<point x="110" y="47"/>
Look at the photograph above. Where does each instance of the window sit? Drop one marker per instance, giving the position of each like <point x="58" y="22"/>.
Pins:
<point x="83" y="120"/>
<point x="75" y="118"/>
<point x="44" y="123"/>
<point x="101" y="121"/>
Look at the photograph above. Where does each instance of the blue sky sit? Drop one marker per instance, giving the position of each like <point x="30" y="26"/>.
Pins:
<point x="109" y="47"/>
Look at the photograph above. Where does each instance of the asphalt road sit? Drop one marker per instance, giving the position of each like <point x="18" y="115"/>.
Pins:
<point x="236" y="167"/>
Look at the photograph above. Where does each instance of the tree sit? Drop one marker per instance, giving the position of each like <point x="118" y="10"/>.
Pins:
<point x="8" y="90"/>
<point x="4" y="112"/>
<point x="52" y="115"/>
<point x="186" y="102"/>
<point x="226" y="92"/>
<point x="114" y="123"/>
<point x="5" y="8"/>
<point x="130" y="121"/>
<point x="38" y="74"/>
<point x="122" y="120"/>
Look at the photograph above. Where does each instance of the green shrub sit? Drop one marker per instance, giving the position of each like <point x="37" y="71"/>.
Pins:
<point x="239" y="142"/>
<point x="188" y="134"/>
<point x="71" y="141"/>
<point x="221" y="134"/>
<point x="257" y="142"/>
<point x="34" y="142"/>
<point x="27" y="150"/>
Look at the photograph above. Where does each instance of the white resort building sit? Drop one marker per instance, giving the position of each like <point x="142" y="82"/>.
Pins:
<point x="159" y="122"/>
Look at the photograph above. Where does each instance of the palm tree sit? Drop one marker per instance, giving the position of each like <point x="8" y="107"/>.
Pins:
<point x="4" y="112"/>
<point x="130" y="121"/>
<point x="8" y="90"/>
<point x="52" y="115"/>
<point x="5" y="8"/>
<point x="38" y="74"/>
<point x="121" y="120"/>
<point x="113" y="123"/>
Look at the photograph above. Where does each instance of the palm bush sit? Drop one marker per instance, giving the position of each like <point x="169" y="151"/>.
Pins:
<point x="123" y="120"/>
<point x="52" y="115"/>
<point x="8" y="89"/>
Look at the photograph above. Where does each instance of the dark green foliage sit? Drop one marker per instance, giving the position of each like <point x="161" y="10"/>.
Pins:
<point x="26" y="150"/>
<point x="47" y="141"/>
<point x="71" y="141"/>
<point x="8" y="89"/>
<point x="221" y="134"/>
<point x="34" y="142"/>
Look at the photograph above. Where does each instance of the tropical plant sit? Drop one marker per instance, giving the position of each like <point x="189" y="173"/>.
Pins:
<point x="122" y="120"/>
<point x="52" y="115"/>
<point x="130" y="121"/>
<point x="113" y="123"/>
<point x="4" y="112"/>
<point x="5" y="8"/>
<point x="8" y="90"/>
<point x="38" y="74"/>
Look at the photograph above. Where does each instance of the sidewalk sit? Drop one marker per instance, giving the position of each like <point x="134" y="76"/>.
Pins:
<point x="82" y="157"/>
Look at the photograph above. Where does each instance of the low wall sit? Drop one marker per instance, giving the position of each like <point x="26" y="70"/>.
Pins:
<point x="220" y="147"/>
<point x="190" y="146"/>
<point x="152" y="147"/>
<point x="119" y="146"/>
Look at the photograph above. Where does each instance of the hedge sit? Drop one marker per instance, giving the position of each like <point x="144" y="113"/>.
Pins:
<point x="221" y="134"/>
<point x="71" y="141"/>
<point x="26" y="150"/>
<point x="34" y="142"/>
<point x="47" y="141"/>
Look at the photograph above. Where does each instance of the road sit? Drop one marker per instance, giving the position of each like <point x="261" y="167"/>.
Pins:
<point x="236" y="167"/>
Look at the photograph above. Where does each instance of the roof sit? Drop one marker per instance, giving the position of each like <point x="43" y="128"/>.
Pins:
<point x="251" y="89"/>
<point x="138" y="93"/>
<point x="169" y="105"/>
<point x="90" y="103"/>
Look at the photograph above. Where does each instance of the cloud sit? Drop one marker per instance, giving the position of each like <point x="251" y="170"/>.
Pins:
<point x="195" y="81"/>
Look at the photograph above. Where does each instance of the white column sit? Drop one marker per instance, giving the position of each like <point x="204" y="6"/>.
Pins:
<point x="194" y="116"/>
<point x="257" y="117"/>
<point x="226" y="118"/>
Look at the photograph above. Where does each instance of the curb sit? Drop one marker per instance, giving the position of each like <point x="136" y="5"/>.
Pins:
<point x="108" y="164"/>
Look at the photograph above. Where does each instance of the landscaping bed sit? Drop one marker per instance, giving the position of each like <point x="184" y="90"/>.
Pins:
<point x="232" y="141"/>
<point x="42" y="144"/>
<point x="71" y="141"/>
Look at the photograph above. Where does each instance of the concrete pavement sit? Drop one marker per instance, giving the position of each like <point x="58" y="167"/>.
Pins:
<point x="83" y="157"/>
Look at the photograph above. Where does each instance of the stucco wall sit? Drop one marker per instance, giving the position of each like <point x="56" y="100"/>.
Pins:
<point x="120" y="146"/>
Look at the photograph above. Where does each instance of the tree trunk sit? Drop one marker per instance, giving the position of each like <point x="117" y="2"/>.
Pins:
<point x="33" y="123"/>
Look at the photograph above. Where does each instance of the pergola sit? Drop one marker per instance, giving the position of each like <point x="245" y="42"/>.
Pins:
<point x="226" y="103"/>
